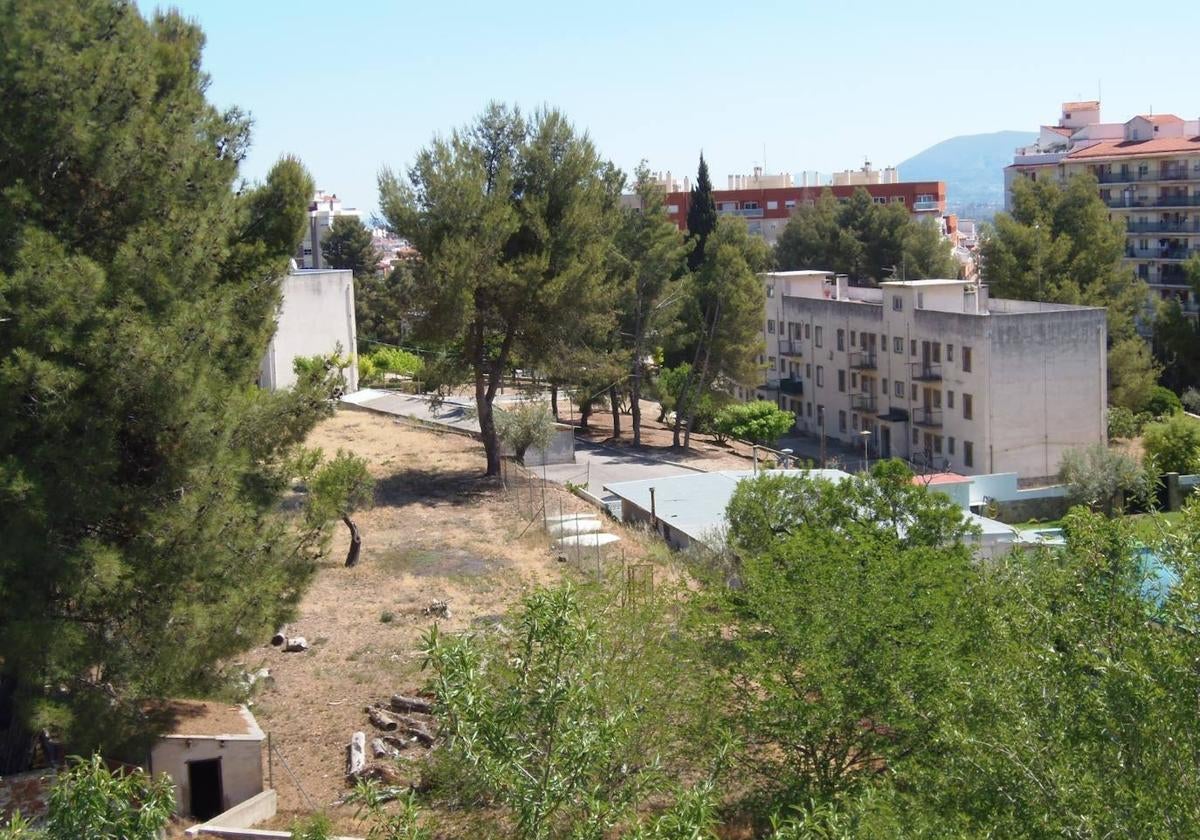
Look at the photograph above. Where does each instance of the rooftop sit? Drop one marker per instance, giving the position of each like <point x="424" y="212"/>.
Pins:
<point x="1133" y="148"/>
<point x="1085" y="105"/>
<point x="202" y="718"/>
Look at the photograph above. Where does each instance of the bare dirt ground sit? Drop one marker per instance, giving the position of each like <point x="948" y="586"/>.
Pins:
<point x="438" y="531"/>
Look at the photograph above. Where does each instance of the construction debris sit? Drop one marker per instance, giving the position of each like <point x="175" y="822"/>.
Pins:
<point x="296" y="644"/>
<point x="439" y="609"/>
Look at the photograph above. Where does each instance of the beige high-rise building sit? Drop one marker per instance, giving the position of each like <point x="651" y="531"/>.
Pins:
<point x="322" y="210"/>
<point x="1149" y="173"/>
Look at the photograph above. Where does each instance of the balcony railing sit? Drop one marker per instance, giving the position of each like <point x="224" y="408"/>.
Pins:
<point x="1160" y="253"/>
<point x="863" y="403"/>
<point x="789" y="347"/>
<point x="746" y="213"/>
<point x="925" y="371"/>
<point x="1163" y="227"/>
<point x="795" y="387"/>
<point x="930" y="417"/>
<point x="1139" y="202"/>
<point x="1172" y="174"/>
<point x="921" y="206"/>
<point x="863" y="360"/>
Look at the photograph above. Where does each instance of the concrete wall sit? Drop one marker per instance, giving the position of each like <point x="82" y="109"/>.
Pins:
<point x="256" y="809"/>
<point x="241" y="765"/>
<point x="316" y="317"/>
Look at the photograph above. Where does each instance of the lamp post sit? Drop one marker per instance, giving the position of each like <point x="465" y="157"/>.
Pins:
<point x="865" y="434"/>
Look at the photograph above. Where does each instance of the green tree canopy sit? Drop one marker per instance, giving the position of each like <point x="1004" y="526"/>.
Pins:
<point x="512" y="218"/>
<point x="701" y="216"/>
<point x="348" y="244"/>
<point x="1173" y="445"/>
<point x="140" y="469"/>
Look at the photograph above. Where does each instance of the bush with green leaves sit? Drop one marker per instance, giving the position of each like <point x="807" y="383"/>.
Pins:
<point x="1173" y="445"/>
<point x="1163" y="402"/>
<point x="759" y="422"/>
<point x="527" y="424"/>
<point x="1191" y="400"/>
<point x="397" y="361"/>
<point x="565" y="722"/>
<point x="1125" y="424"/>
<point x="90" y="801"/>
<point x="1103" y="478"/>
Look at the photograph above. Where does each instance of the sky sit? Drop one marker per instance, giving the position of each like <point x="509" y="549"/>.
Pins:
<point x="351" y="86"/>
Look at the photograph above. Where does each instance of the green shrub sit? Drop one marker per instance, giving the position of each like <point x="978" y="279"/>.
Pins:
<point x="367" y="372"/>
<point x="1191" y="400"/>
<point x="1123" y="423"/>
<point x="1173" y="445"/>
<point x="397" y="361"/>
<point x="524" y="425"/>
<point x="1163" y="402"/>
<point x="760" y="421"/>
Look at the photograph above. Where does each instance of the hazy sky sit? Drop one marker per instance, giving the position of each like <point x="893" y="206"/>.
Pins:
<point x="350" y="86"/>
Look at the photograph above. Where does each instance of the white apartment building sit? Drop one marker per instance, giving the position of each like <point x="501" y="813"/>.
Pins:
<point x="935" y="371"/>
<point x="1149" y="173"/>
<point x="322" y="210"/>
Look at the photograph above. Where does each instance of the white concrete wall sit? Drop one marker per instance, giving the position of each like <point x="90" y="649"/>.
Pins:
<point x="316" y="317"/>
<point x="241" y="765"/>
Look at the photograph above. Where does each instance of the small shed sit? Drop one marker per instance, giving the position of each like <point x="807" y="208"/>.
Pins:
<point x="213" y="754"/>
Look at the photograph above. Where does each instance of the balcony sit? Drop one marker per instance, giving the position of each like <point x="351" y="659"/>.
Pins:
<point x="863" y="360"/>
<point x="925" y="206"/>
<point x="863" y="403"/>
<point x="1163" y="227"/>
<point x="1160" y="253"/>
<point x="748" y="213"/>
<point x="789" y="347"/>
<point x="1169" y="174"/>
<point x="930" y="418"/>
<point x="1141" y="202"/>
<point x="925" y="371"/>
<point x="795" y="387"/>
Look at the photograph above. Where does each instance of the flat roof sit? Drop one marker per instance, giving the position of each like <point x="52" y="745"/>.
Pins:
<point x="205" y="719"/>
<point x="805" y="272"/>
<point x="932" y="281"/>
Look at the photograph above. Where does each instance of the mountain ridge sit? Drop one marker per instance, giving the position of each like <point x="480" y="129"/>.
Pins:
<point x="972" y="165"/>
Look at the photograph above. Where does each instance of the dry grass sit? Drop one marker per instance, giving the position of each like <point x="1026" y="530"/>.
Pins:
<point x="438" y="531"/>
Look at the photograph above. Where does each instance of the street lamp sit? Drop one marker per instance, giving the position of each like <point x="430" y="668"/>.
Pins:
<point x="865" y="434"/>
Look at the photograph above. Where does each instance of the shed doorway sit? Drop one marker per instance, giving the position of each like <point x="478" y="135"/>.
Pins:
<point x="204" y="783"/>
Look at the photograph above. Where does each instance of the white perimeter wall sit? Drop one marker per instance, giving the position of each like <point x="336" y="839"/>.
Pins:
<point x="315" y="318"/>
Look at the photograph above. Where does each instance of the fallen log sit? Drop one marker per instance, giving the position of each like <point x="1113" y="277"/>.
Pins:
<point x="379" y="749"/>
<point x="381" y="719"/>
<point x="356" y="759"/>
<point x="403" y="703"/>
<point x="298" y="644"/>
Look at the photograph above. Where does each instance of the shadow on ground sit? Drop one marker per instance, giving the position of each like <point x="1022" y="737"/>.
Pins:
<point x="433" y="487"/>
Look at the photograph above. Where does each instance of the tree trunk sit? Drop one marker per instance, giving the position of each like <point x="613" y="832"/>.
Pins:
<point x="635" y="403"/>
<point x="585" y="411"/>
<point x="487" y="426"/>
<point x="554" y="399"/>
<point x="355" y="542"/>
<point x="615" y="402"/>
<point x="687" y="438"/>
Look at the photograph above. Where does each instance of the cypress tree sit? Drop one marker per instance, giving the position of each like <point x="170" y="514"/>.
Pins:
<point x="702" y="215"/>
<point x="140" y="469"/>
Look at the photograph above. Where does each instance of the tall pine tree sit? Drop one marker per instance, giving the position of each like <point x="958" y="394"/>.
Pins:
<point x="140" y="468"/>
<point x="701" y="216"/>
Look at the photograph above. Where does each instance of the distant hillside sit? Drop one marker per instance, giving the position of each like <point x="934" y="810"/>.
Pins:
<point x="972" y="167"/>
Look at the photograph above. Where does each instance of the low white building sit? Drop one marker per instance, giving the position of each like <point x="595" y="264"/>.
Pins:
<point x="935" y="371"/>
<point x="213" y="754"/>
<point x="316" y="317"/>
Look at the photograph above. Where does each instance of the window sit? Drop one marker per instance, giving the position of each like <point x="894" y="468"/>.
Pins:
<point x="950" y="445"/>
<point x="672" y="208"/>
<point x="808" y="331"/>
<point x="900" y="199"/>
<point x="841" y="339"/>
<point x="810" y="409"/>
<point x="898" y="344"/>
<point x="841" y="421"/>
<point x="916" y="436"/>
<point x="808" y="371"/>
<point x="913" y="348"/>
<point x="842" y="383"/>
<point x="771" y="290"/>
<point x="883" y="342"/>
<point x="771" y="327"/>
<point x="820" y="415"/>
<point x="772" y="205"/>
<point x="897" y="303"/>
<point x="949" y="399"/>
<point x="968" y="453"/>
<point x="820" y="376"/>
<point x="920" y="300"/>
<point x="854" y="422"/>
<point x="884" y="391"/>
<point x="968" y="407"/>
<point x="899" y="389"/>
<point x="749" y="205"/>
<point x="770" y="362"/>
<point x="937" y="444"/>
<point x="854" y="338"/>
<point x="818" y="338"/>
<point x="853" y="380"/>
<point x="949" y="352"/>
<point x="914" y="392"/>
<point x="789" y="203"/>
<point x="879" y="200"/>
<point x="966" y="357"/>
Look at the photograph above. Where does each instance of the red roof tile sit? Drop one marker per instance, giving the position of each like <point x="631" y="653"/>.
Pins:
<point x="1159" y="118"/>
<point x="1132" y="148"/>
<point x="1059" y="129"/>
<point x="1081" y="106"/>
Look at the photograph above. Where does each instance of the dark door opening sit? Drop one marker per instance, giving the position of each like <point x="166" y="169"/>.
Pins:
<point x="885" y="442"/>
<point x="204" y="782"/>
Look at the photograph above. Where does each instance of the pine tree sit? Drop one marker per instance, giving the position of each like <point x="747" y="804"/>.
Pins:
<point x="513" y="221"/>
<point x="140" y="468"/>
<point x="349" y="245"/>
<point x="701" y="216"/>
